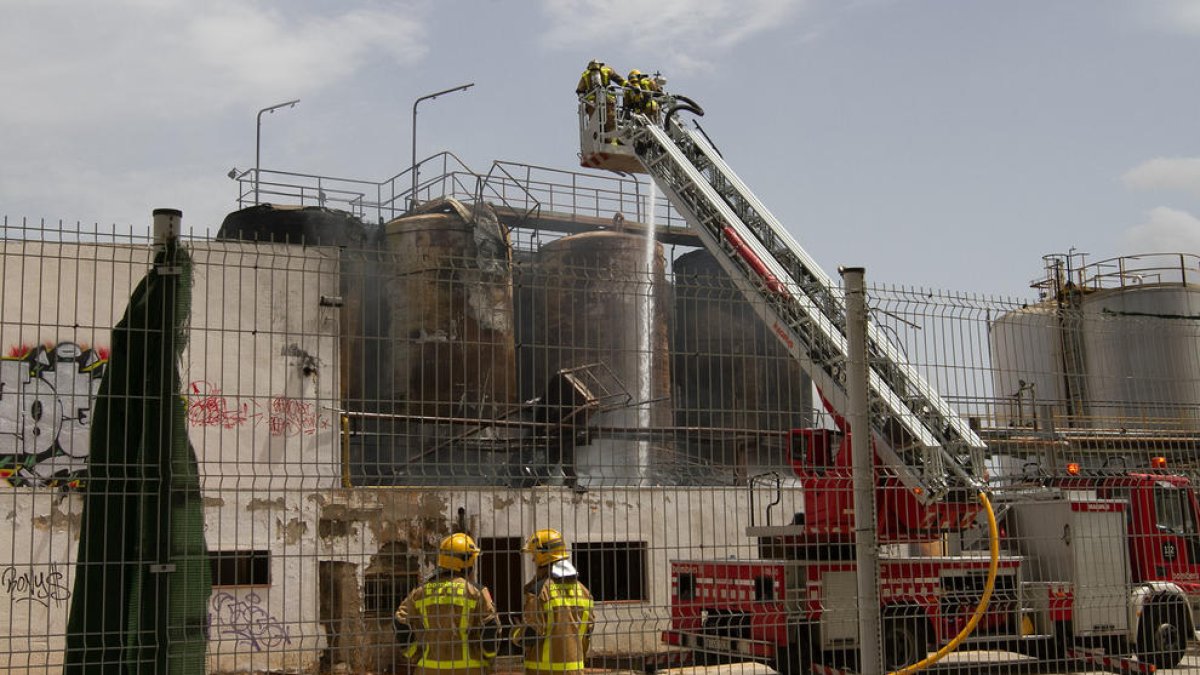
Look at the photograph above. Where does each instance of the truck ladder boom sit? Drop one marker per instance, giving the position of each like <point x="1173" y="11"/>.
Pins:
<point x="918" y="436"/>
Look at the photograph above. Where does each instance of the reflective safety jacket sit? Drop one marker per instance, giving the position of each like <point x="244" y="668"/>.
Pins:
<point x="555" y="627"/>
<point x="597" y="78"/>
<point x="639" y="94"/>
<point x="450" y="624"/>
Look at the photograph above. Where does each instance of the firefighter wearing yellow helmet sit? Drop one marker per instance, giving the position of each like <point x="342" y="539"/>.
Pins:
<point x="641" y="92"/>
<point x="449" y="623"/>
<point x="556" y="619"/>
<point x="597" y="76"/>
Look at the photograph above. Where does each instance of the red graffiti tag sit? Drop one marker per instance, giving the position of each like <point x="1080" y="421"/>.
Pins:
<point x="208" y="408"/>
<point x="290" y="417"/>
<point x="284" y="416"/>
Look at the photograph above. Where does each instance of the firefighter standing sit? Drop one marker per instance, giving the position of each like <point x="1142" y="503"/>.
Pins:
<point x="556" y="620"/>
<point x="450" y="622"/>
<point x="599" y="76"/>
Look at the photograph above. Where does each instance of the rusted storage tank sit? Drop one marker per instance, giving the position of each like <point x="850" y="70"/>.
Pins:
<point x="449" y="293"/>
<point x="600" y="305"/>
<point x="731" y="373"/>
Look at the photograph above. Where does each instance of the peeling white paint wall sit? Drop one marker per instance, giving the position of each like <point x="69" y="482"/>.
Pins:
<point x="675" y="523"/>
<point x="262" y="374"/>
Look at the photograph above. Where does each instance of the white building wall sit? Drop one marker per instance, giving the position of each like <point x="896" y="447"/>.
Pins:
<point x="262" y="378"/>
<point x="261" y="372"/>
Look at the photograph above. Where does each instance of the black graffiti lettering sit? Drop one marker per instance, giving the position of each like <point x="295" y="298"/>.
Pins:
<point x="247" y="621"/>
<point x="34" y="586"/>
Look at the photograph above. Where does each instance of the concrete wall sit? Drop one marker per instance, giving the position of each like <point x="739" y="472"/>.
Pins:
<point x="261" y="372"/>
<point x="674" y="523"/>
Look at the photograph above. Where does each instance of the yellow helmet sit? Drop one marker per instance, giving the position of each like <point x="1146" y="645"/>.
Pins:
<point x="457" y="552"/>
<point x="546" y="547"/>
<point x="633" y="74"/>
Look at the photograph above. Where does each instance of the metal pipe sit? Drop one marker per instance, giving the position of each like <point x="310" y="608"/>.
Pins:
<point x="258" y="138"/>
<point x="166" y="225"/>
<point x="866" y="547"/>
<point x="412" y="199"/>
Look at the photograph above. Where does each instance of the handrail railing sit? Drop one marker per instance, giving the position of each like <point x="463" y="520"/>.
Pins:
<point x="1119" y="272"/>
<point x="528" y="189"/>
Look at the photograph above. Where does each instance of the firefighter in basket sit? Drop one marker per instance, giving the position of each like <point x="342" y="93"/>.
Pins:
<point x="595" y="82"/>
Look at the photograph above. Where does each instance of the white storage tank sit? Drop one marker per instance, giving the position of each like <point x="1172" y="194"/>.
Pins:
<point x="1132" y="327"/>
<point x="1142" y="356"/>
<point x="1026" y="350"/>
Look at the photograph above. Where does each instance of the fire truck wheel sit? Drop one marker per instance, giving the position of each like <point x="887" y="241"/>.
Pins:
<point x="1051" y="648"/>
<point x="1162" y="635"/>
<point x="904" y="640"/>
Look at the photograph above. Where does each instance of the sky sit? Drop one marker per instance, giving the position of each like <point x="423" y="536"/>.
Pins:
<point x="938" y="143"/>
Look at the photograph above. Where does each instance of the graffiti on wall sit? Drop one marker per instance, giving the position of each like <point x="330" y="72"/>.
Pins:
<point x="32" y="585"/>
<point x="282" y="416"/>
<point x="246" y="621"/>
<point x="46" y="398"/>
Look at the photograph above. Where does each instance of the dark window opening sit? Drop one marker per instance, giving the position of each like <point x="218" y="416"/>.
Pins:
<point x="612" y="570"/>
<point x="764" y="589"/>
<point x="240" y="568"/>
<point x="687" y="586"/>
<point x="382" y="594"/>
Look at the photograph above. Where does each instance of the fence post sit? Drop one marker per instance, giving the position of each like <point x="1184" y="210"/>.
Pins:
<point x="866" y="545"/>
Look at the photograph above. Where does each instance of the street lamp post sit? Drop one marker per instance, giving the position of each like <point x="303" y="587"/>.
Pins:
<point x="412" y="199"/>
<point x="258" y="138"/>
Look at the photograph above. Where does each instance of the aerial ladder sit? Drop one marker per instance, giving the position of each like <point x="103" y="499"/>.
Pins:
<point x="924" y="450"/>
<point x="929" y="453"/>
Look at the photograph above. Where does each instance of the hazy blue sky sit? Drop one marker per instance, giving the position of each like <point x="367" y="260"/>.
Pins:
<point x="938" y="142"/>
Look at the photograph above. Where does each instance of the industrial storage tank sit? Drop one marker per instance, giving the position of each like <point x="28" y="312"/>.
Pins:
<point x="1113" y="345"/>
<point x="599" y="307"/>
<point x="731" y="374"/>
<point x="1142" y="354"/>
<point x="449" y="293"/>
<point x="320" y="226"/>
<point x="1027" y="365"/>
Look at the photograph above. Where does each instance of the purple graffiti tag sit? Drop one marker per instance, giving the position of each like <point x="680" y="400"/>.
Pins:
<point x="247" y="621"/>
<point x="33" y="586"/>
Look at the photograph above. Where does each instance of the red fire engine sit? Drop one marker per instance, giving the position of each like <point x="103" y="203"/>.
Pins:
<point x="1108" y="560"/>
<point x="1101" y="562"/>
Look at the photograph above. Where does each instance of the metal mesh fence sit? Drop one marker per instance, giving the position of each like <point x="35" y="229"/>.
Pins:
<point x="357" y="395"/>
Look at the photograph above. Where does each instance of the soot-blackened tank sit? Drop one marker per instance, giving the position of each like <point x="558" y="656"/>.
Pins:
<point x="600" y="302"/>
<point x="730" y="372"/>
<point x="449" y="292"/>
<point x="319" y="226"/>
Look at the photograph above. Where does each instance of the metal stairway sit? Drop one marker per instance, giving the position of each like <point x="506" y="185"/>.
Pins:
<point x="917" y="435"/>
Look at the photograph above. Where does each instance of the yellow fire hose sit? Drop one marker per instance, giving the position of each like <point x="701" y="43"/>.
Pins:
<point x="993" y="566"/>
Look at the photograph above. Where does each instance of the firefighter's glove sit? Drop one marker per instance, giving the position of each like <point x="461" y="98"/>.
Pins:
<point x="404" y="634"/>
